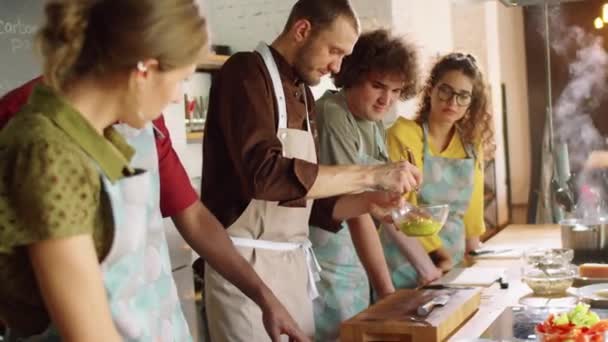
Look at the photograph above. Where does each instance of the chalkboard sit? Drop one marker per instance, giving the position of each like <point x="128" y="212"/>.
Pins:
<point x="19" y="61"/>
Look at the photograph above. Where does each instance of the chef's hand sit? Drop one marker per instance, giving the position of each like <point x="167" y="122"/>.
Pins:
<point x="277" y="322"/>
<point x="442" y="259"/>
<point x="381" y="203"/>
<point x="428" y="276"/>
<point x="400" y="177"/>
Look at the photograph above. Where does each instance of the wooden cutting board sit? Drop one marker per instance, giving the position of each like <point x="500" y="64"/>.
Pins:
<point x="391" y="318"/>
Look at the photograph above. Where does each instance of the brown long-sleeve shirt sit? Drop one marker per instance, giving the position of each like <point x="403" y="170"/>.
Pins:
<point x="242" y="156"/>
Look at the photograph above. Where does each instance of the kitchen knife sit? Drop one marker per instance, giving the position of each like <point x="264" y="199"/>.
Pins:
<point x="489" y="251"/>
<point x="426" y="308"/>
<point x="444" y="287"/>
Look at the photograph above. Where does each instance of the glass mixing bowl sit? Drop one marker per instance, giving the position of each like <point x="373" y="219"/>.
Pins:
<point x="549" y="272"/>
<point x="423" y="220"/>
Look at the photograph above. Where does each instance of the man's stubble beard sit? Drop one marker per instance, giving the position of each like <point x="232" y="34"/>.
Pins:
<point x="302" y="67"/>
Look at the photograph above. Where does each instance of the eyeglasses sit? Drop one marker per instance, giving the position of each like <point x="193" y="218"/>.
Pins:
<point x="446" y="93"/>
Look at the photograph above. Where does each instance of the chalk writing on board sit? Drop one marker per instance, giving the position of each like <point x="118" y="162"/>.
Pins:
<point x="18" y="33"/>
<point x="19" y="22"/>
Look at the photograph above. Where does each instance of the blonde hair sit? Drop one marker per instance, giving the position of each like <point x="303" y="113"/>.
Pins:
<point x="82" y="37"/>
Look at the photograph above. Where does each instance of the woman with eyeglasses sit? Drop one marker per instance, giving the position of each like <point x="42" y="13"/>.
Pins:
<point x="447" y="139"/>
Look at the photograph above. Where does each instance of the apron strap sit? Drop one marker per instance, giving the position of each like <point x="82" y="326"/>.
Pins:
<point x="425" y="138"/>
<point x="380" y="140"/>
<point x="314" y="269"/>
<point x="277" y="86"/>
<point x="305" y="95"/>
<point x="360" y="151"/>
<point x="468" y="148"/>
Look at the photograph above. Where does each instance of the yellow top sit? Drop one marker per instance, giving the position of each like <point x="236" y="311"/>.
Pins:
<point x="407" y="133"/>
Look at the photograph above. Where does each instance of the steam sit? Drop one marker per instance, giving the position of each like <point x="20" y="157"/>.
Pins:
<point x="572" y="112"/>
<point x="583" y="94"/>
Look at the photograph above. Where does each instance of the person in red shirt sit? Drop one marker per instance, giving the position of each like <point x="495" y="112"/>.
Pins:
<point x="195" y="223"/>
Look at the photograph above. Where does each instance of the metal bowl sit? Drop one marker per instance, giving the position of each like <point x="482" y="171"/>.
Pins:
<point x="580" y="234"/>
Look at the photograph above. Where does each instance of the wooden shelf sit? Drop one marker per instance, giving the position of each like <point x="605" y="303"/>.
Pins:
<point x="212" y="62"/>
<point x="194" y="137"/>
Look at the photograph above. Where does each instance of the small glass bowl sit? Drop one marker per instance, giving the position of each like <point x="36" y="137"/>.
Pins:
<point x="423" y="220"/>
<point x="555" y="284"/>
<point x="549" y="272"/>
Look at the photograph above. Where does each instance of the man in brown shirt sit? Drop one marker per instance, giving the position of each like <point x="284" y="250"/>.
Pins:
<point x="253" y="185"/>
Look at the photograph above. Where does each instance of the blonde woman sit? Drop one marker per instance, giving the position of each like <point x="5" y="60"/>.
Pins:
<point x="83" y="255"/>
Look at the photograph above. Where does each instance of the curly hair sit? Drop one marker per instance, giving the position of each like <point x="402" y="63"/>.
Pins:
<point x="477" y="124"/>
<point x="380" y="51"/>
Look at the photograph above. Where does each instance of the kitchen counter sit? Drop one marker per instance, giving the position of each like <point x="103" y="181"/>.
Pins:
<point x="389" y="319"/>
<point x="494" y="300"/>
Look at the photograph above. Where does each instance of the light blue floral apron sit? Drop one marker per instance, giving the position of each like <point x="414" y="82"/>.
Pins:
<point x="445" y="180"/>
<point x="344" y="287"/>
<point x="137" y="271"/>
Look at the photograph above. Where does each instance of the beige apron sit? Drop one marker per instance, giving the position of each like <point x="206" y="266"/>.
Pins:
<point x="274" y="239"/>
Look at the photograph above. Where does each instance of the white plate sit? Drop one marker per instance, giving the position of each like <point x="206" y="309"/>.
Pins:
<point x="588" y="281"/>
<point x="597" y="292"/>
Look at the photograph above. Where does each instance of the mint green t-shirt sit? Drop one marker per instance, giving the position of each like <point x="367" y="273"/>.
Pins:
<point x="342" y="135"/>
